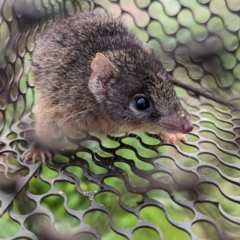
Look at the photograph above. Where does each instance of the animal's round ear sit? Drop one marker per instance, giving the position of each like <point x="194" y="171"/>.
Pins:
<point x="103" y="71"/>
<point x="147" y="48"/>
<point x="100" y="63"/>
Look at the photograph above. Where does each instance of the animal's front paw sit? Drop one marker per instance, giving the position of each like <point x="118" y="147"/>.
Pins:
<point x="34" y="153"/>
<point x="173" y="138"/>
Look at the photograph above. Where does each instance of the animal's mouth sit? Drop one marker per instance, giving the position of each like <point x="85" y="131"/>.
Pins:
<point x="174" y="131"/>
<point x="171" y="125"/>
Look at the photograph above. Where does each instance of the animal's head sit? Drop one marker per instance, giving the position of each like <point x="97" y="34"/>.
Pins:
<point x="133" y="90"/>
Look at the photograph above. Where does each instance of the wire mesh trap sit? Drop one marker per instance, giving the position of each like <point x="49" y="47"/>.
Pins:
<point x="129" y="186"/>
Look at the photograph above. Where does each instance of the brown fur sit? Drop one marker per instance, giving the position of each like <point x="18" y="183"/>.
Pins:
<point x="82" y="91"/>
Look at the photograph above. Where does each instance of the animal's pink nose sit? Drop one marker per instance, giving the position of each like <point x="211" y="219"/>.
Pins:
<point x="187" y="127"/>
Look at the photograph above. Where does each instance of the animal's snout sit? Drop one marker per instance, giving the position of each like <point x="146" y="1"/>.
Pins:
<point x="179" y="123"/>
<point x="186" y="126"/>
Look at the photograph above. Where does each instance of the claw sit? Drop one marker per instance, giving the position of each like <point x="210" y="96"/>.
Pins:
<point x="34" y="157"/>
<point x="173" y="138"/>
<point x="33" y="153"/>
<point x="43" y="157"/>
<point x="49" y="155"/>
<point x="27" y="155"/>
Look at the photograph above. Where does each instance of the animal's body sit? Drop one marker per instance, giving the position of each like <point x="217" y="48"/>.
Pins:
<point x="93" y="74"/>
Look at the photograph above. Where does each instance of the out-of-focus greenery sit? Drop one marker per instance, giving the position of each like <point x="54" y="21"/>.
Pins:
<point x="166" y="22"/>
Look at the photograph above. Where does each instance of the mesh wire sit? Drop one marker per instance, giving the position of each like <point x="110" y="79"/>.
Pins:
<point x="190" y="190"/>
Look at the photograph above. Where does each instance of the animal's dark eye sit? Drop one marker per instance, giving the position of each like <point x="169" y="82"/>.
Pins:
<point x="142" y="103"/>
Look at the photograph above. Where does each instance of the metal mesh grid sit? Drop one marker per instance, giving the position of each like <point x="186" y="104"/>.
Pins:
<point x="191" y="189"/>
